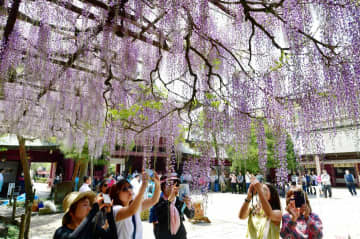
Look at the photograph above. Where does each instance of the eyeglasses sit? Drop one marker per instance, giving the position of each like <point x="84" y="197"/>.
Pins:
<point x="126" y="189"/>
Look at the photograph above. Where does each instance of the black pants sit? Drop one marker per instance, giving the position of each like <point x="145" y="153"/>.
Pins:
<point x="240" y="187"/>
<point x="156" y="230"/>
<point x="233" y="187"/>
<point x="327" y="188"/>
<point x="352" y="188"/>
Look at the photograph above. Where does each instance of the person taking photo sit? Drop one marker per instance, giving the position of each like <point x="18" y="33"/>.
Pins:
<point x="265" y="216"/>
<point x="78" y="220"/>
<point x="300" y="222"/>
<point x="127" y="208"/>
<point x="170" y="210"/>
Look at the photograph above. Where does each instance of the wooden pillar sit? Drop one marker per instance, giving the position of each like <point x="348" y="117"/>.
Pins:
<point x="52" y="173"/>
<point x="317" y="164"/>
<point x="357" y="173"/>
<point x="118" y="170"/>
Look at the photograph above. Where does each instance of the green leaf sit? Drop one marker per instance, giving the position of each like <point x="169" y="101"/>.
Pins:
<point x="195" y="102"/>
<point x="215" y="104"/>
<point x="216" y="63"/>
<point x="210" y="96"/>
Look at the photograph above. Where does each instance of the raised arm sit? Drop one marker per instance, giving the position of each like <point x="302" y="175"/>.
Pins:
<point x="245" y="210"/>
<point x="133" y="207"/>
<point x="147" y="203"/>
<point x="274" y="215"/>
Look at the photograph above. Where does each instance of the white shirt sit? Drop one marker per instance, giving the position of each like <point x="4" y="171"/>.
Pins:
<point x="247" y="178"/>
<point x="125" y="227"/>
<point x="221" y="179"/>
<point x="84" y="188"/>
<point x="136" y="186"/>
<point x="325" y="179"/>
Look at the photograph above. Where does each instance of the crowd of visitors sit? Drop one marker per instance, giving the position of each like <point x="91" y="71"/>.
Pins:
<point x="90" y="215"/>
<point x="114" y="212"/>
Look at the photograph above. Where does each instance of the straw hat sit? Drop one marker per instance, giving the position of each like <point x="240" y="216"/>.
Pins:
<point x="73" y="198"/>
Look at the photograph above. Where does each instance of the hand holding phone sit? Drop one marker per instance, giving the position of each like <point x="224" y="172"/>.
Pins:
<point x="184" y="191"/>
<point x="150" y="173"/>
<point x="107" y="199"/>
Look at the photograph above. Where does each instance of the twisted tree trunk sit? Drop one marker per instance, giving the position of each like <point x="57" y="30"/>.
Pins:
<point x="28" y="186"/>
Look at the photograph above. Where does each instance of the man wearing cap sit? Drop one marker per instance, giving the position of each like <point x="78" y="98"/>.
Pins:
<point x="86" y="185"/>
<point x="79" y="220"/>
<point x="170" y="211"/>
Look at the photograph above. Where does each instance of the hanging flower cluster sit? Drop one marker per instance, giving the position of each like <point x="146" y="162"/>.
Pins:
<point x="261" y="140"/>
<point x="282" y="171"/>
<point x="113" y="72"/>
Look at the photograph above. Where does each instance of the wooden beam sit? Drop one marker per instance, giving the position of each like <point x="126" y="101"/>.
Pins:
<point x="127" y="17"/>
<point x="10" y="23"/>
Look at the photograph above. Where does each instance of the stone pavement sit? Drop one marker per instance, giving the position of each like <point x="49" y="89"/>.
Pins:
<point x="340" y="216"/>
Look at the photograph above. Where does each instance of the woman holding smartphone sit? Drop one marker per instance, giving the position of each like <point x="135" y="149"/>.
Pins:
<point x="265" y="216"/>
<point x="127" y="208"/>
<point x="78" y="221"/>
<point x="300" y="221"/>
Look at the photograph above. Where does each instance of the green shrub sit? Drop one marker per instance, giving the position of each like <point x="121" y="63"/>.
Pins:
<point x="41" y="180"/>
<point x="13" y="232"/>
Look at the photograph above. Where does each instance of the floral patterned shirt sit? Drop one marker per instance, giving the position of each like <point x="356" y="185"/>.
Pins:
<point x="302" y="228"/>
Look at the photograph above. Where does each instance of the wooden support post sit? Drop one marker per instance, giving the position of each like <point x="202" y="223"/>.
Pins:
<point x="317" y="164"/>
<point x="22" y="227"/>
<point x="14" y="209"/>
<point x="357" y="173"/>
<point x="11" y="196"/>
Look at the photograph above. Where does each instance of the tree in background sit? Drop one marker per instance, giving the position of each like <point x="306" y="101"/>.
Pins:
<point x="250" y="161"/>
<point x="83" y="160"/>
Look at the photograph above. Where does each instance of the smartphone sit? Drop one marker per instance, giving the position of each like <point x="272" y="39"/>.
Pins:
<point x="181" y="196"/>
<point x="150" y="173"/>
<point x="184" y="191"/>
<point x="299" y="199"/>
<point x="183" y="208"/>
<point x="107" y="199"/>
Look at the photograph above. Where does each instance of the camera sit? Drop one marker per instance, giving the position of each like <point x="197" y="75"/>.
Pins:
<point x="299" y="197"/>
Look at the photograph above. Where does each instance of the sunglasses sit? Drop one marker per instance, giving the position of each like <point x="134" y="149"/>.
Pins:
<point x="171" y="183"/>
<point x="105" y="185"/>
<point x="126" y="189"/>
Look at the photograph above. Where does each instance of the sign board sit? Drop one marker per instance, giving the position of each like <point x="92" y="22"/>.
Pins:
<point x="10" y="188"/>
<point x="120" y="161"/>
<point x="343" y="165"/>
